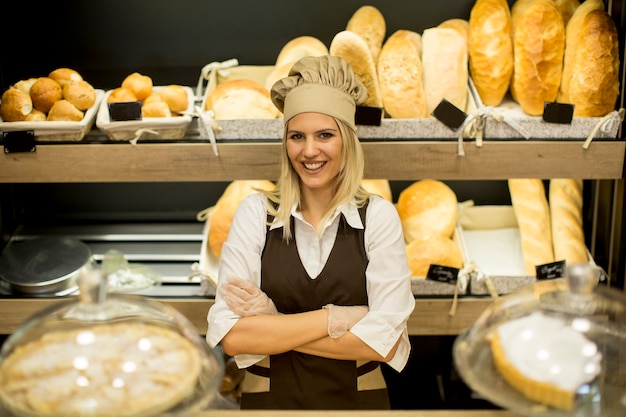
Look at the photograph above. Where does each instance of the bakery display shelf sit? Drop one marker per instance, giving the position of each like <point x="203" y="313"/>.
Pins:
<point x="359" y="413"/>
<point x="394" y="160"/>
<point x="16" y="310"/>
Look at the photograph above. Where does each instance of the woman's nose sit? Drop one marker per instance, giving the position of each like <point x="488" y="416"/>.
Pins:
<point x="310" y="147"/>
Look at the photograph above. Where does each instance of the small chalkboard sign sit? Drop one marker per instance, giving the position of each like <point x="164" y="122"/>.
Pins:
<point x="19" y="141"/>
<point x="561" y="113"/>
<point x="450" y="115"/>
<point x="125" y="111"/>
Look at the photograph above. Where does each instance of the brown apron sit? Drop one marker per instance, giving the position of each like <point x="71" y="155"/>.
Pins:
<point x="294" y="380"/>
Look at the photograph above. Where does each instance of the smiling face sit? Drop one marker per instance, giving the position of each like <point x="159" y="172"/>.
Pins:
<point x="314" y="147"/>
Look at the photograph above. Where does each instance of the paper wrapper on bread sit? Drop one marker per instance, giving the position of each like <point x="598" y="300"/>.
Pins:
<point x="532" y="212"/>
<point x="490" y="50"/>
<point x="538" y="48"/>
<point x="241" y="99"/>
<point x="445" y="65"/>
<point x="400" y="76"/>
<point x="378" y="187"/>
<point x="369" y="23"/>
<point x="591" y="63"/>
<point x="566" y="205"/>
<point x="427" y="208"/>
<point x="436" y="250"/>
<point x="15" y="105"/>
<point x="222" y="216"/>
<point x="351" y="47"/>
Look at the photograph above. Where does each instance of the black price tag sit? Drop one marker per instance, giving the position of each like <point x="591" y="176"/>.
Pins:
<point x="561" y="113"/>
<point x="550" y="271"/>
<point x="450" y="115"/>
<point x="442" y="273"/>
<point x="121" y="112"/>
<point x="369" y="116"/>
<point x="19" y="141"/>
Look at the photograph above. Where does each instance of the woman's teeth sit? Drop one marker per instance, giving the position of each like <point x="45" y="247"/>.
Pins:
<point x="314" y="166"/>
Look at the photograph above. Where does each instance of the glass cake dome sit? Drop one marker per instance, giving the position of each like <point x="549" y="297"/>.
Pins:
<point x="104" y="354"/>
<point x="556" y="348"/>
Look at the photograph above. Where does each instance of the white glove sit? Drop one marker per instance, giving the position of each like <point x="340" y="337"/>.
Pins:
<point x="246" y="299"/>
<point x="342" y="318"/>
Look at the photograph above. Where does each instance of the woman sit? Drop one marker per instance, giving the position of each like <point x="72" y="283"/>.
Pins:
<point x="314" y="287"/>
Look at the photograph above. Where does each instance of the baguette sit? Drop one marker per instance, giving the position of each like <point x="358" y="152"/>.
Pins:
<point x="400" y="76"/>
<point x="567" y="9"/>
<point x="532" y="212"/>
<point x="353" y="48"/>
<point x="566" y="204"/>
<point x="538" y="47"/>
<point x="369" y="23"/>
<point x="490" y="50"/>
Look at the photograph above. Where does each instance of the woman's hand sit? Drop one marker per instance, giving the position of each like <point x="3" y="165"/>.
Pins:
<point x="342" y="318"/>
<point x="246" y="299"/>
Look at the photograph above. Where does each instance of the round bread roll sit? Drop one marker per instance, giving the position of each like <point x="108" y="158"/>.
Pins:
<point x="427" y="208"/>
<point x="65" y="76"/>
<point x="176" y="97"/>
<point x="152" y="97"/>
<point x="121" y="95"/>
<point x="25" y="85"/>
<point x="491" y="50"/>
<point x="156" y="108"/>
<point x="64" y="111"/>
<point x="354" y="49"/>
<point x="80" y="93"/>
<point x="224" y="211"/>
<point x="300" y="47"/>
<point x="36" y="116"/>
<point x="45" y="92"/>
<point x="378" y="187"/>
<point x="15" y="105"/>
<point x="400" y="76"/>
<point x="435" y="250"/>
<point x="538" y="48"/>
<point x="369" y="23"/>
<point x="139" y="84"/>
<point x="241" y="99"/>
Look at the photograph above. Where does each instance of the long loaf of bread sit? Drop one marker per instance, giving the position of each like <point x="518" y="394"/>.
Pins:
<point x="566" y="204"/>
<point x="532" y="212"/>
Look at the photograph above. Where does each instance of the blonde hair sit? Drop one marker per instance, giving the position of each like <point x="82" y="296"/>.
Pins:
<point x="347" y="185"/>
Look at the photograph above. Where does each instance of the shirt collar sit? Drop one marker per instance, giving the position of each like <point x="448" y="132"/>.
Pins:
<point x="349" y="211"/>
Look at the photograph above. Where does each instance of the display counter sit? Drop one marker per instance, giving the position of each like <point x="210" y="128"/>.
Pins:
<point x="431" y="316"/>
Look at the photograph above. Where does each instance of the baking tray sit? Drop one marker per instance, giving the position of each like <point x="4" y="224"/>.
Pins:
<point x="154" y="128"/>
<point x="57" y="131"/>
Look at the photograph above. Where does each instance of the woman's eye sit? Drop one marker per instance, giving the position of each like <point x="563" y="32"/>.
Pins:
<point x="295" y="136"/>
<point x="326" y="135"/>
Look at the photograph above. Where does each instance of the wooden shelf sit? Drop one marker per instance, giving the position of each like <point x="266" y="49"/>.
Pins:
<point x="393" y="160"/>
<point x="430" y="317"/>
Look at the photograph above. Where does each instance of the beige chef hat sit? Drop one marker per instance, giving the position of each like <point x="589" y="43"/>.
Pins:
<point x="324" y="84"/>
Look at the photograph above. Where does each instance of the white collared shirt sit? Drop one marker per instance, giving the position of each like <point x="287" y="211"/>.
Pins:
<point x="388" y="276"/>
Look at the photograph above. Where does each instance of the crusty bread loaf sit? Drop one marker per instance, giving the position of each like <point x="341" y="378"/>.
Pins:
<point x="594" y="67"/>
<point x="241" y="99"/>
<point x="15" y="105"/>
<point x="566" y="205"/>
<point x="225" y="207"/>
<point x="44" y="93"/>
<point x="176" y="97"/>
<point x="436" y="250"/>
<point x="353" y="48"/>
<point x="378" y="187"/>
<point x="139" y="84"/>
<point x="80" y="93"/>
<point x="567" y="9"/>
<point x="65" y="76"/>
<point x="427" y="208"/>
<point x="121" y="95"/>
<point x="573" y="28"/>
<point x="400" y="76"/>
<point x="490" y="50"/>
<point x="538" y="47"/>
<point x="445" y="65"/>
<point x="64" y="111"/>
<point x="300" y="47"/>
<point x="532" y="212"/>
<point x="369" y="23"/>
